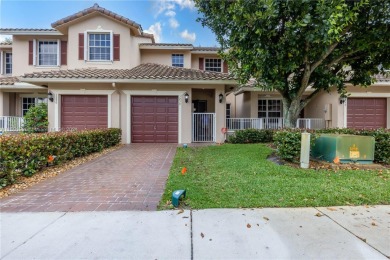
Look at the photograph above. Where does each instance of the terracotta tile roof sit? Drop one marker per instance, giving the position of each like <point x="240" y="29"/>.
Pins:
<point x="96" y="8"/>
<point x="26" y="29"/>
<point x="143" y="71"/>
<point x="8" y="80"/>
<point x="206" y="49"/>
<point x="165" y="44"/>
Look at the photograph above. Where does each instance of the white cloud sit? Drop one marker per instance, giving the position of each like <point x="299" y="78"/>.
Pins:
<point x="168" y="6"/>
<point x="188" y="36"/>
<point x="156" y="30"/>
<point x="185" y="3"/>
<point x="170" y="13"/>
<point x="173" y="23"/>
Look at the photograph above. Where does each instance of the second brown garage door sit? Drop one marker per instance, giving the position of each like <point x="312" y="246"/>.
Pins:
<point x="366" y="113"/>
<point x="154" y="119"/>
<point x="83" y="112"/>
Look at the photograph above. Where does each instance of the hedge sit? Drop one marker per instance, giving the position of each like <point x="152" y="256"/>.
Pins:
<point x="288" y="142"/>
<point x="25" y="154"/>
<point x="252" y="136"/>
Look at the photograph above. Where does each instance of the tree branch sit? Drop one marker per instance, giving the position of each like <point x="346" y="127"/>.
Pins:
<point x="328" y="51"/>
<point x="310" y="97"/>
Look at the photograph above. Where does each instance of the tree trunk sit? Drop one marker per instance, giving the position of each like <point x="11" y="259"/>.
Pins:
<point x="291" y="110"/>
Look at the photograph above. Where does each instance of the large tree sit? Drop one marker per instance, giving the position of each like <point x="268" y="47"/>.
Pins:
<point x="290" y="45"/>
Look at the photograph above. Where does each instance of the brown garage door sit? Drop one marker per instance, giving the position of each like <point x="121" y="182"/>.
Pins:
<point x="154" y="119"/>
<point x="83" y="112"/>
<point x="366" y="113"/>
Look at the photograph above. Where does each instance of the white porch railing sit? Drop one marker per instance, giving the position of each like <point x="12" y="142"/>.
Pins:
<point x="256" y="123"/>
<point x="11" y="123"/>
<point x="203" y="127"/>
<point x="311" y="123"/>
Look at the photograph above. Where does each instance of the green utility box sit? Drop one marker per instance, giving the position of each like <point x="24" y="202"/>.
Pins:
<point x="344" y="148"/>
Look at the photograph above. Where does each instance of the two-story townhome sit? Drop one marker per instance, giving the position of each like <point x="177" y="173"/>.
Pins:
<point x="96" y="68"/>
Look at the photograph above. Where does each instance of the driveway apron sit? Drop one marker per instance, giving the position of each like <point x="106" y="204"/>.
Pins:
<point x="131" y="178"/>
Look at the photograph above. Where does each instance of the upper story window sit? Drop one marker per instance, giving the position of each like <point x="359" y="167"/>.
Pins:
<point x="177" y="60"/>
<point x="48" y="52"/>
<point x="8" y="63"/>
<point x="99" y="46"/>
<point x="213" y="65"/>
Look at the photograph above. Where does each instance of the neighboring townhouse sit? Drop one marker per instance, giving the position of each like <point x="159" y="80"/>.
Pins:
<point x="96" y="68"/>
<point x="365" y="108"/>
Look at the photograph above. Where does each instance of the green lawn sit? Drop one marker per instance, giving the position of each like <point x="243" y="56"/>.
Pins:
<point x="234" y="176"/>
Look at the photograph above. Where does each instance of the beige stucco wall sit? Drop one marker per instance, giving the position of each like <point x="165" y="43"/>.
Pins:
<point x="20" y="54"/>
<point x="121" y="107"/>
<point x="164" y="57"/>
<point x="4" y="104"/>
<point x="130" y="55"/>
<point x="316" y="107"/>
<point x="129" y="51"/>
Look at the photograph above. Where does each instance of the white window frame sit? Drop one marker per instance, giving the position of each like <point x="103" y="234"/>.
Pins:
<point x="267" y="111"/>
<point x="36" y="53"/>
<point x="221" y="68"/>
<point x="177" y="55"/>
<point x="4" y="58"/>
<point x="35" y="97"/>
<point x="86" y="44"/>
<point x="1" y="62"/>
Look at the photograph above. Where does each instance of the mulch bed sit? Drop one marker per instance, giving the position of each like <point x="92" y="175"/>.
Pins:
<point x="49" y="172"/>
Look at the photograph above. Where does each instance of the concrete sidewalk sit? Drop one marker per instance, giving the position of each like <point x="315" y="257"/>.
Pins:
<point x="292" y="233"/>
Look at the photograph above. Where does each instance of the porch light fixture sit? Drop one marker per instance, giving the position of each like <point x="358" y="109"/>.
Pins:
<point x="342" y="100"/>
<point x="186" y="96"/>
<point x="220" y="98"/>
<point x="50" y="96"/>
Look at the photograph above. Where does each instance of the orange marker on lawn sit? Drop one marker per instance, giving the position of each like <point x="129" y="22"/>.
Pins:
<point x="336" y="160"/>
<point x="183" y="171"/>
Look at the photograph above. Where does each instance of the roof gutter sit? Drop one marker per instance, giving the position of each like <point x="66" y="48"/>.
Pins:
<point x="30" y="32"/>
<point x="140" y="81"/>
<point x="146" y="47"/>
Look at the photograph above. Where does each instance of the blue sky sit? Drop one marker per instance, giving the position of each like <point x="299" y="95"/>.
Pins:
<point x="172" y="21"/>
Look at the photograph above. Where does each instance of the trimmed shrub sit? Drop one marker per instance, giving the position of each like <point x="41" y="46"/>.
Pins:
<point x="252" y="136"/>
<point x="25" y="154"/>
<point x="36" y="119"/>
<point x="288" y="143"/>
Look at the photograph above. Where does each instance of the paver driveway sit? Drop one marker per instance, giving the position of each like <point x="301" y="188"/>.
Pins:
<point x="131" y="178"/>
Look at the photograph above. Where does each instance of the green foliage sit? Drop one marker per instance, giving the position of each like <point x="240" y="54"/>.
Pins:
<point x="288" y="142"/>
<point x="290" y="45"/>
<point x="240" y="176"/>
<point x="252" y="136"/>
<point x="25" y="154"/>
<point x="36" y="119"/>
